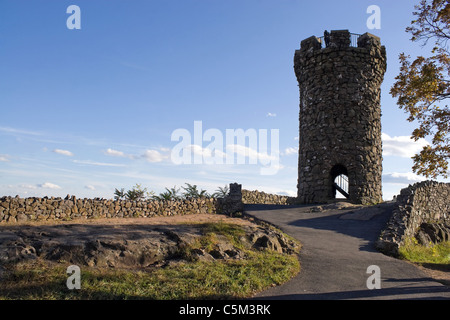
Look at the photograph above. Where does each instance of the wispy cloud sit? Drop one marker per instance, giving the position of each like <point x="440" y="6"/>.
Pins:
<point x="153" y="156"/>
<point x="49" y="185"/>
<point x="215" y="156"/>
<point x="63" y="152"/>
<point x="28" y="186"/>
<point x="150" y="155"/>
<point x="90" y="187"/>
<point x="250" y="153"/>
<point x="401" y="146"/>
<point x="95" y="163"/>
<point x="270" y="114"/>
<point x="115" y="153"/>
<point x="19" y="131"/>
<point x="4" y="158"/>
<point x="290" y="150"/>
<point x="401" y="177"/>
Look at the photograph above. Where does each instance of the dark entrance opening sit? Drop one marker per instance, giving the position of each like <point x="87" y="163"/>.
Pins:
<point x="339" y="180"/>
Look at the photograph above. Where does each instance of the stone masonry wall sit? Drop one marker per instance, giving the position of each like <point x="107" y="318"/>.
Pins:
<point x="260" y="197"/>
<point x="13" y="209"/>
<point x="16" y="209"/>
<point x="340" y="117"/>
<point x="423" y="202"/>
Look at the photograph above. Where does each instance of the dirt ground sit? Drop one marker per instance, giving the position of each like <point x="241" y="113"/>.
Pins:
<point x="160" y="220"/>
<point x="439" y="273"/>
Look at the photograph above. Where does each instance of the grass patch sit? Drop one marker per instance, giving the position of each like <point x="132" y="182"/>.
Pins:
<point x="219" y="279"/>
<point x="434" y="254"/>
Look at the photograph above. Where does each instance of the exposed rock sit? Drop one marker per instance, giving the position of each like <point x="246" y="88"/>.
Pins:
<point x="130" y="246"/>
<point x="266" y="242"/>
<point x="431" y="233"/>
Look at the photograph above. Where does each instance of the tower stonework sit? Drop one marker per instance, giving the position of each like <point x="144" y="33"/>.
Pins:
<point x="340" y="117"/>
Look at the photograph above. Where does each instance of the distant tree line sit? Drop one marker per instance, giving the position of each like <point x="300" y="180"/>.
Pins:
<point x="138" y="193"/>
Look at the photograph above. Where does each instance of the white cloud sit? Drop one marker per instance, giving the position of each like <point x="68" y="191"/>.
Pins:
<point x="19" y="131"/>
<point x="63" y="152"/>
<point x="290" y="193"/>
<point x="148" y="155"/>
<point x="153" y="156"/>
<point x="270" y="114"/>
<point x="101" y="164"/>
<point x="251" y="153"/>
<point x="4" y="158"/>
<point x="245" y="155"/>
<point x="89" y="187"/>
<point x="290" y="150"/>
<point x="28" y="186"/>
<point x="115" y="153"/>
<point x="206" y="152"/>
<point x="401" y="146"/>
<point x="49" y="185"/>
<point x="401" y="177"/>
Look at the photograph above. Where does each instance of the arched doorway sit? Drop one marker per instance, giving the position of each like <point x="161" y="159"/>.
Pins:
<point x="339" y="182"/>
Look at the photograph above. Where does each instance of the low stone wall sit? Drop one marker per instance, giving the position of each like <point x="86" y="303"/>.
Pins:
<point x="260" y="197"/>
<point x="13" y="209"/>
<point x="423" y="202"/>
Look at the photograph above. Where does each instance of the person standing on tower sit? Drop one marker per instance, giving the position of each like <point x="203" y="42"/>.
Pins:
<point x="326" y="37"/>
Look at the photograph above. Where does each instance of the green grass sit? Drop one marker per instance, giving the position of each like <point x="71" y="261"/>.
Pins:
<point x="434" y="254"/>
<point x="224" y="279"/>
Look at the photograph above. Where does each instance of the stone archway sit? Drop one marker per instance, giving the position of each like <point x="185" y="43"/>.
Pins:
<point x="339" y="181"/>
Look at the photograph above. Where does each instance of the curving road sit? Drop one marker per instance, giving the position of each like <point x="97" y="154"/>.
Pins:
<point x="338" y="248"/>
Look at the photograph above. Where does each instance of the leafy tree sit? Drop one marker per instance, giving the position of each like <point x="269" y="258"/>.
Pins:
<point x="119" y="194"/>
<point x="137" y="193"/>
<point x="221" y="192"/>
<point x="191" y="192"/>
<point x="169" y="194"/>
<point x="423" y="86"/>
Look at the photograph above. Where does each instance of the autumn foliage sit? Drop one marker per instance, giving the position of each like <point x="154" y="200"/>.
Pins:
<point x="423" y="86"/>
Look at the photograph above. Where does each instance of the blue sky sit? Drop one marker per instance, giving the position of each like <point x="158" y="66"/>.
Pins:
<point x="86" y="111"/>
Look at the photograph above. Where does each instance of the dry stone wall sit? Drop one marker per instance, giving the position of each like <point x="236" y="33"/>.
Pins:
<point x="260" y="197"/>
<point x="16" y="209"/>
<point x="13" y="209"/>
<point x="422" y="203"/>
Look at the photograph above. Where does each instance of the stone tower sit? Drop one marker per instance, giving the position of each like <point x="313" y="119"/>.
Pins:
<point x="340" y="117"/>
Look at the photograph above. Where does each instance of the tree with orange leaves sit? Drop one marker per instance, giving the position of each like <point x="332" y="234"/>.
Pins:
<point x="423" y="86"/>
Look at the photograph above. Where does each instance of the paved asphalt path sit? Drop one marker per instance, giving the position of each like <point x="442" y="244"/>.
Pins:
<point x="338" y="247"/>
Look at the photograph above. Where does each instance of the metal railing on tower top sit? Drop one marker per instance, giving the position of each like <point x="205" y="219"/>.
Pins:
<point x="353" y="40"/>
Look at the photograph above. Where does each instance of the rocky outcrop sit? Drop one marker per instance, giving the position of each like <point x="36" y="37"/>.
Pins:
<point x="431" y="233"/>
<point x="133" y="245"/>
